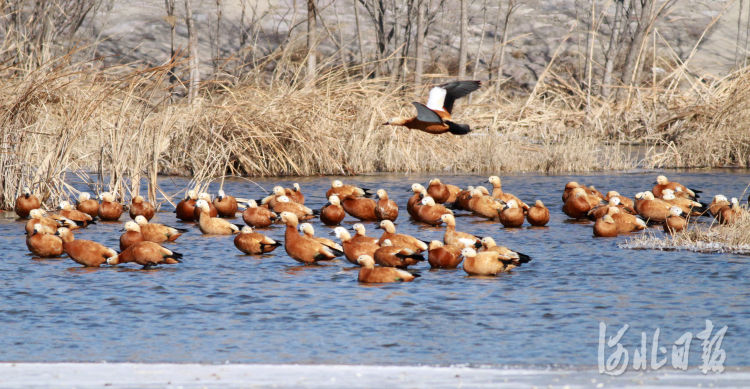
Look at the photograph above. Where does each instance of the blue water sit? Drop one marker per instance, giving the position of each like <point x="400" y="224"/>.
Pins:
<point x="220" y="305"/>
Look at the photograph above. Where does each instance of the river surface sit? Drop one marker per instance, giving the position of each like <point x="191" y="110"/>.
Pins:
<point x="220" y="305"/>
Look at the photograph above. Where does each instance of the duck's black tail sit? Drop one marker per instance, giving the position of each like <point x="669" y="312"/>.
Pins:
<point x="458" y="129"/>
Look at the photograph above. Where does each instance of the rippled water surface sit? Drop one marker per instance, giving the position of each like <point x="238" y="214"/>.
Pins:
<point x="220" y="305"/>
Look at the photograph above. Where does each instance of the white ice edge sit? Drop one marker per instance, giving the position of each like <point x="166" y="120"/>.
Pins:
<point x="157" y="375"/>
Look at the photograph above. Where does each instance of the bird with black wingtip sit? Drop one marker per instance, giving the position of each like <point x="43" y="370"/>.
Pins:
<point x="435" y="117"/>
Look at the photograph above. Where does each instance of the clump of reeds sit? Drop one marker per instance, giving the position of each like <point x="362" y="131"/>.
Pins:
<point x="707" y="238"/>
<point x="121" y="122"/>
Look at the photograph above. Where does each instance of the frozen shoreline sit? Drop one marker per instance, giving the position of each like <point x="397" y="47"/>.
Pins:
<point x="116" y="375"/>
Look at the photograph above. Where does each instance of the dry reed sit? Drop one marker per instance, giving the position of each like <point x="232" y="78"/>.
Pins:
<point x="68" y="116"/>
<point x="706" y="238"/>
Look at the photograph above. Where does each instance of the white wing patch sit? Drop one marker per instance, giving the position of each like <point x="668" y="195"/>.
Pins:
<point x="437" y="98"/>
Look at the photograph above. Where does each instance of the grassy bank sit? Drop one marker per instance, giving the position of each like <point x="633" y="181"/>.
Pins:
<point x="704" y="238"/>
<point x="68" y="116"/>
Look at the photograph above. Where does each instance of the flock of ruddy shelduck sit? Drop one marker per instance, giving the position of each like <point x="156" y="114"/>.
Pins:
<point x="51" y="234"/>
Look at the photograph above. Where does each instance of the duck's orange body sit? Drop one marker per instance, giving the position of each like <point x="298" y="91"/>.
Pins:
<point x="368" y="273"/>
<point x="605" y="227"/>
<point x="44" y="244"/>
<point x="146" y="254"/>
<point x="400" y="240"/>
<point x="25" y="203"/>
<point x="226" y="206"/>
<point x="360" y="208"/>
<point x="385" y="209"/>
<point x="254" y="243"/>
<point x="139" y="206"/>
<point x="258" y="217"/>
<point x="442" y="256"/>
<point x="302" y="248"/>
<point x="84" y="252"/>
<point x="538" y="214"/>
<point x="400" y="257"/>
<point x="88" y="205"/>
<point x="435" y="116"/>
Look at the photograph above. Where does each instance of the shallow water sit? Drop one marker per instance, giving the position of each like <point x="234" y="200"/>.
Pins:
<point x="220" y="305"/>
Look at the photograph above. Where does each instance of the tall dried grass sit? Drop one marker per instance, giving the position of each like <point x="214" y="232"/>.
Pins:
<point x="67" y="116"/>
<point x="707" y="238"/>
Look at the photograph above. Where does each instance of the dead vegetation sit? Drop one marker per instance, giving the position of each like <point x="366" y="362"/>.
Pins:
<point x="704" y="238"/>
<point x="66" y="114"/>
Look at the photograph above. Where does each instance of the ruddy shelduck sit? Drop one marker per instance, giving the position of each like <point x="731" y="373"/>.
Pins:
<point x="309" y="231"/>
<point x="675" y="222"/>
<point x="147" y="254"/>
<point x="679" y="190"/>
<point x="511" y="258"/>
<point x="254" y="243"/>
<point x="158" y="233"/>
<point x="431" y="213"/>
<point x="295" y="193"/>
<point x="719" y="202"/>
<point x="85" y="252"/>
<point x="497" y="192"/>
<point x="140" y="207"/>
<point x="442" y="193"/>
<point x="226" y="205"/>
<point x="109" y="209"/>
<point x="25" y="203"/>
<point x="400" y="240"/>
<point x="66" y="211"/>
<point x="354" y="249"/>
<point x="650" y="208"/>
<point x="343" y="191"/>
<point x="360" y="208"/>
<point x="511" y="216"/>
<point x="131" y="236"/>
<point x="185" y="209"/>
<point x="538" y="214"/>
<point x="212" y="211"/>
<point x="332" y="212"/>
<point x="605" y="227"/>
<point x="302" y="248"/>
<point x="368" y="273"/>
<point x="730" y="215"/>
<point x="392" y="256"/>
<point x="415" y="201"/>
<point x="624" y="201"/>
<point x="441" y="256"/>
<point x="276" y="192"/>
<point x="484" y="205"/>
<point x="485" y="263"/>
<point x="385" y="209"/>
<point x="458" y="238"/>
<point x="626" y="222"/>
<point x="87" y="205"/>
<point x="361" y="234"/>
<point x="602" y="209"/>
<point x="435" y="116"/>
<point x="689" y="207"/>
<point x="258" y="217"/>
<point x="284" y="204"/>
<point x="213" y="225"/>
<point x="568" y="190"/>
<point x="462" y="199"/>
<point x="43" y="244"/>
<point x="49" y="225"/>
<point x="577" y="205"/>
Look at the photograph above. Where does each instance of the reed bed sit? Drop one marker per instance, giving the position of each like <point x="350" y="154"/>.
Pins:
<point x="705" y="238"/>
<point x="68" y="117"/>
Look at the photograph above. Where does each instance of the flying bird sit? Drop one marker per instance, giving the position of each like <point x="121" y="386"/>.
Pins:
<point x="435" y="117"/>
